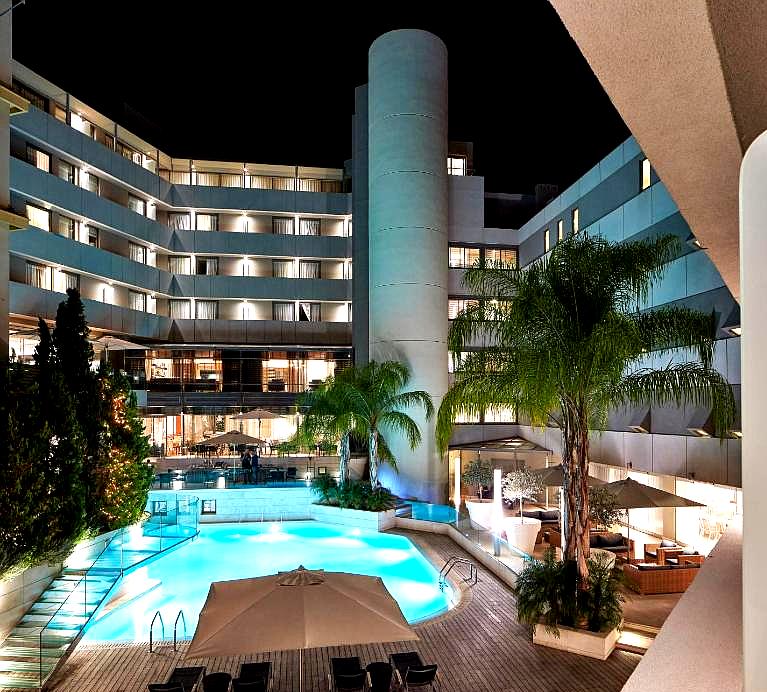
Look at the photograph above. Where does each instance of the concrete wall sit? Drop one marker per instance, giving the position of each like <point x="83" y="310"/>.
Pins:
<point x="5" y="202"/>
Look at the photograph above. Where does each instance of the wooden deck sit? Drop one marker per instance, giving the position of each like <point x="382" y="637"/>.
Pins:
<point x="478" y="646"/>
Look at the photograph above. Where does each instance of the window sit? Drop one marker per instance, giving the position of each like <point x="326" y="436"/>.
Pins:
<point x="546" y="240"/>
<point x="89" y="181"/>
<point x="138" y="253"/>
<point x="39" y="218"/>
<point x="507" y="257"/>
<point x="160" y="507"/>
<point x="309" y="312"/>
<point x="309" y="227"/>
<point x="65" y="226"/>
<point x="66" y="171"/>
<point x="208" y="507"/>
<point x="282" y="269"/>
<point x="68" y="280"/>
<point x="206" y="309"/>
<point x="93" y="236"/>
<point x="207" y="222"/>
<point x="137" y="301"/>
<point x="37" y="100"/>
<point x="309" y="269"/>
<point x="137" y="204"/>
<point x="59" y="112"/>
<point x="128" y="152"/>
<point x="576" y="220"/>
<point x="456" y="165"/>
<point x="456" y="305"/>
<point x="179" y="221"/>
<point x="180" y="265"/>
<point x="178" y="309"/>
<point x="38" y="275"/>
<point x="646" y="170"/>
<point x="560" y="230"/>
<point x="207" y="266"/>
<point x="39" y="159"/>
<point x="283" y="312"/>
<point x="282" y="225"/>
<point x="463" y="257"/>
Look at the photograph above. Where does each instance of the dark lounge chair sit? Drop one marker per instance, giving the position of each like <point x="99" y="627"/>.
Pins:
<point x="164" y="687"/>
<point x="420" y="678"/>
<point x="379" y="676"/>
<point x="180" y="680"/>
<point x="216" y="682"/>
<point x="402" y="662"/>
<point x="345" y="668"/>
<point x="258" y="685"/>
<point x="350" y="682"/>
<point x="256" y="671"/>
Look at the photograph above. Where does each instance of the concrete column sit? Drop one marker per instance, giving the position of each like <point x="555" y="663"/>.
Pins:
<point x="753" y="289"/>
<point x="407" y="121"/>
<point x="5" y="199"/>
<point x="360" y="210"/>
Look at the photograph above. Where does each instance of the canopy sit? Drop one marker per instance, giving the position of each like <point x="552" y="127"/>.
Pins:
<point x="631" y="494"/>
<point x="256" y="414"/>
<point x="116" y="344"/>
<point x="302" y="609"/>
<point x="231" y="438"/>
<point x="552" y="476"/>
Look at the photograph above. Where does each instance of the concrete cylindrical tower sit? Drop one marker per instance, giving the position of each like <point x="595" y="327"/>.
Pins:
<point x="408" y="249"/>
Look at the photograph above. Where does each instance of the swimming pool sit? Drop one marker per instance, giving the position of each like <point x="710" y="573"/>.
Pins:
<point x="425" y="511"/>
<point x="181" y="579"/>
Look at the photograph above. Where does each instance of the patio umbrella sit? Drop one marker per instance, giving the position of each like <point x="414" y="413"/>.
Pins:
<point x="301" y="609"/>
<point x="258" y="414"/>
<point x="233" y="437"/>
<point x="552" y="476"/>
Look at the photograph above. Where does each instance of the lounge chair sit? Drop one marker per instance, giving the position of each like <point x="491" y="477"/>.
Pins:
<point x="216" y="682"/>
<point x="402" y="662"/>
<point x="292" y="473"/>
<point x="258" y="685"/>
<point x="251" y="672"/>
<point x="350" y="682"/>
<point x="345" y="667"/>
<point x="379" y="676"/>
<point x="419" y="678"/>
<point x="180" y="680"/>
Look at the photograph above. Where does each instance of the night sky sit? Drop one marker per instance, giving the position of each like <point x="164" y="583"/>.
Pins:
<point x="231" y="83"/>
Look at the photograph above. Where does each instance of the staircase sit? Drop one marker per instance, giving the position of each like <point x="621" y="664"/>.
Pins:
<point x="45" y="636"/>
<point x="636" y="638"/>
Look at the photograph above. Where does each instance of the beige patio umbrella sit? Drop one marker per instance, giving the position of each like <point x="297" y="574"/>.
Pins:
<point x="258" y="414"/>
<point x="233" y="437"/>
<point x="301" y="609"/>
<point x="553" y="476"/>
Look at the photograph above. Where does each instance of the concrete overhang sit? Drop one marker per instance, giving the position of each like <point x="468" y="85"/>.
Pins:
<point x="17" y="104"/>
<point x="690" y="81"/>
<point x="11" y="221"/>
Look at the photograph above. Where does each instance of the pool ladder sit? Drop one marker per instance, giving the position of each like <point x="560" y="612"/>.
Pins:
<point x="452" y="562"/>
<point x="158" y="614"/>
<point x="180" y="615"/>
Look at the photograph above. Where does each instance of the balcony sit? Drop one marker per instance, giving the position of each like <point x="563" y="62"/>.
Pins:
<point x="261" y="332"/>
<point x="260" y="288"/>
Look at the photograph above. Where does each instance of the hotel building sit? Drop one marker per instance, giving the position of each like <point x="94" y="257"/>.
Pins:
<point x="224" y="286"/>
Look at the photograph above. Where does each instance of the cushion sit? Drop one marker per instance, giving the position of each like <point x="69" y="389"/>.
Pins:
<point x="550" y="515"/>
<point x="685" y="565"/>
<point x="531" y="513"/>
<point x="594" y="540"/>
<point x="651" y="567"/>
<point x="689" y="551"/>
<point x="665" y="543"/>
<point x="611" y="540"/>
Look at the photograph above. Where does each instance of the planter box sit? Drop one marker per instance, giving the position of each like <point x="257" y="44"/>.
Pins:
<point x="357" y="518"/>
<point x="521" y="532"/>
<point x="480" y="513"/>
<point x="593" y="644"/>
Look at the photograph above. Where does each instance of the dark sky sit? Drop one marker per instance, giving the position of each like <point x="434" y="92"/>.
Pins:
<point x="231" y="82"/>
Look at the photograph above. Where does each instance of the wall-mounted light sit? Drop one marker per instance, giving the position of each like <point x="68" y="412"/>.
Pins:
<point x="735" y="331"/>
<point x="699" y="432"/>
<point x="737" y="434"/>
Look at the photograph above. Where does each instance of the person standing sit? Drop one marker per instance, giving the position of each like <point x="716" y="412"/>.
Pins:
<point x="247" y="465"/>
<point x="254" y="459"/>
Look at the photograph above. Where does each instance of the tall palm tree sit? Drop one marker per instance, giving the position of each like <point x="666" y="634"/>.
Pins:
<point x="564" y="341"/>
<point x="367" y="403"/>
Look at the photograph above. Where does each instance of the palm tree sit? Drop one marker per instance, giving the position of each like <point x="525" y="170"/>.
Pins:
<point x="366" y="403"/>
<point x="564" y="341"/>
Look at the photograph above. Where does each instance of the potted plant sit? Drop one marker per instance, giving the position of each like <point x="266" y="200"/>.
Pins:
<point x="478" y="474"/>
<point x="581" y="617"/>
<point x="603" y="509"/>
<point x="521" y="532"/>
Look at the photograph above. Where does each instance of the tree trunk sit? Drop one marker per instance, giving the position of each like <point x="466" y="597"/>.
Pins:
<point x="374" y="458"/>
<point x="582" y="495"/>
<point x="343" y="458"/>
<point x="569" y="496"/>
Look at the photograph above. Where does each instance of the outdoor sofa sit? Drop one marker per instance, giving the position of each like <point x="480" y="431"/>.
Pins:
<point x="651" y="578"/>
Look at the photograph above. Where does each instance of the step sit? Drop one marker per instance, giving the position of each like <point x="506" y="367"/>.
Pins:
<point x="27" y="666"/>
<point x="15" y="652"/>
<point x="68" y="608"/>
<point x="20" y="680"/>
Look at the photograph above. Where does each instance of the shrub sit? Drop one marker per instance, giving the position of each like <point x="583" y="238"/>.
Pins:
<point x="477" y="474"/>
<point x="600" y="603"/>
<point x="352" y="494"/>
<point x="324" y="486"/>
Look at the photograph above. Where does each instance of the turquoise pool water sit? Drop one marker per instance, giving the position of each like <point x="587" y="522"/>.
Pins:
<point x="181" y="579"/>
<point x="445" y="514"/>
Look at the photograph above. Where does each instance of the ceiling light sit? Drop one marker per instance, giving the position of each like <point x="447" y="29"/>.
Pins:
<point x="737" y="434"/>
<point x="735" y="331"/>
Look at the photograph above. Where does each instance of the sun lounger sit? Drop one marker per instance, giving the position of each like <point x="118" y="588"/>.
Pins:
<point x="180" y="680"/>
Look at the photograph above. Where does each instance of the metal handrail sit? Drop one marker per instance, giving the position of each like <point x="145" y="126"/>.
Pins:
<point x="158" y="614"/>
<point x="175" y="627"/>
<point x="454" y="561"/>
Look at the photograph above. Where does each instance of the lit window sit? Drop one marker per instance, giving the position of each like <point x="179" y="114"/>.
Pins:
<point x="137" y="204"/>
<point x="507" y="257"/>
<point x="576" y="220"/>
<point x="66" y="171"/>
<point x="38" y="275"/>
<point x="179" y="221"/>
<point x="180" y="265"/>
<point x="560" y="230"/>
<point x="138" y="253"/>
<point x="39" y="159"/>
<point x="463" y="257"/>
<point x="309" y="269"/>
<point x="282" y="225"/>
<point x="207" y="222"/>
<point x="283" y="312"/>
<point x="66" y="280"/>
<point x="456" y="305"/>
<point x="309" y="312"/>
<point x="179" y="309"/>
<point x="309" y="227"/>
<point x="89" y="182"/>
<point x="137" y="301"/>
<point x="93" y="236"/>
<point x="456" y="165"/>
<point x="283" y="269"/>
<point x="206" y="309"/>
<point x="40" y="218"/>
<point x="65" y="227"/>
<point x="207" y="266"/>
<point x="546" y="240"/>
<point x="645" y="173"/>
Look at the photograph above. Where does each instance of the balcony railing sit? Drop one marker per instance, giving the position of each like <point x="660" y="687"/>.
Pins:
<point x="252" y="182"/>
